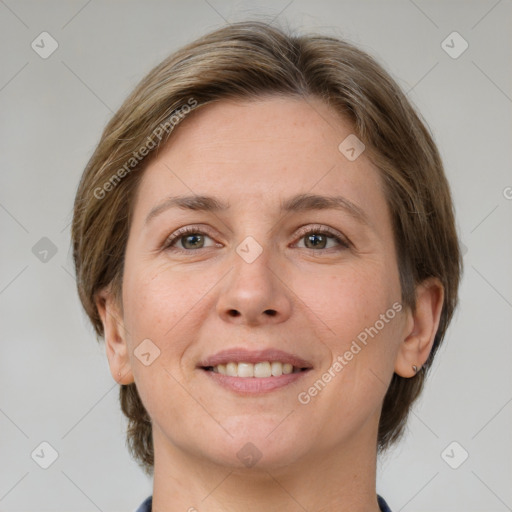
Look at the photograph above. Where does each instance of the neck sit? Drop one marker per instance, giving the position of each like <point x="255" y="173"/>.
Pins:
<point x="340" y="479"/>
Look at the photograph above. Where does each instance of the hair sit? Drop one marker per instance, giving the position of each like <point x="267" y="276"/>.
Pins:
<point x="249" y="60"/>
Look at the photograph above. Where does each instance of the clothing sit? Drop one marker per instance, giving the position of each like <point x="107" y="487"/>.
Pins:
<point x="382" y="504"/>
<point x="146" y="505"/>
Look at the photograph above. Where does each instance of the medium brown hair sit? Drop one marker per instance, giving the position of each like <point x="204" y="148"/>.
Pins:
<point x="248" y="60"/>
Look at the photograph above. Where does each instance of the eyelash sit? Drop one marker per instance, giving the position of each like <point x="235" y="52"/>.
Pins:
<point x="337" y="237"/>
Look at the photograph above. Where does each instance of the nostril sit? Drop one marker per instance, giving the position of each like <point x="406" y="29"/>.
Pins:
<point x="271" y="312"/>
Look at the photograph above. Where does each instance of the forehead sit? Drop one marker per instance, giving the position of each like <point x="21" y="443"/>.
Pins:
<point x="261" y="152"/>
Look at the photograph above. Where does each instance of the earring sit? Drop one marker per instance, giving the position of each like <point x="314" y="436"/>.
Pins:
<point x="415" y="368"/>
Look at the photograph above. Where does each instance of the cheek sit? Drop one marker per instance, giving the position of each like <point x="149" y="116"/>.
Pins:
<point x="156" y="297"/>
<point x="163" y="304"/>
<point x="159" y="306"/>
<point x="354" y="309"/>
<point x="347" y="300"/>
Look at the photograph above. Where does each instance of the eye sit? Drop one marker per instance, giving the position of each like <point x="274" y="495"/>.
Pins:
<point x="190" y="238"/>
<point x="317" y="237"/>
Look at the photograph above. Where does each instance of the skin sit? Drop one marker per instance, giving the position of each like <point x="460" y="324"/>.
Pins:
<point x="194" y="303"/>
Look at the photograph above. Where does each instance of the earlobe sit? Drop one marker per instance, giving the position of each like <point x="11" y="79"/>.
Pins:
<point x="114" y="333"/>
<point x="421" y="329"/>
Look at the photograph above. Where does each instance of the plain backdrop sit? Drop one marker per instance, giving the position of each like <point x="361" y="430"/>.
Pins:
<point x="55" y="385"/>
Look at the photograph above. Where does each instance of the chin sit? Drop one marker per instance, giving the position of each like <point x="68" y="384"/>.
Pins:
<point x="254" y="447"/>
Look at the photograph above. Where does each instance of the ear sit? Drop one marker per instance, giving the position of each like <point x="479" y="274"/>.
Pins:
<point x="115" y="338"/>
<point x="421" y="327"/>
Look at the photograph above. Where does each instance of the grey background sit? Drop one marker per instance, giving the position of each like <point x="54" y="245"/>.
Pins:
<point x="55" y="385"/>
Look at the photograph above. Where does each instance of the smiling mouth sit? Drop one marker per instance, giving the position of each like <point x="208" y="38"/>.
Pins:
<point x="263" y="369"/>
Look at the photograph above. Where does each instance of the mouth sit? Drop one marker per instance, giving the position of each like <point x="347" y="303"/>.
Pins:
<point x="250" y="372"/>
<point x="261" y="370"/>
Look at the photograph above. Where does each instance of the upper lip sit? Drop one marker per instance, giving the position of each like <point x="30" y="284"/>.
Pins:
<point x="242" y="355"/>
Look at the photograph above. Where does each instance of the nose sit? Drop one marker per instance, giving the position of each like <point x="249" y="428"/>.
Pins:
<point x="255" y="293"/>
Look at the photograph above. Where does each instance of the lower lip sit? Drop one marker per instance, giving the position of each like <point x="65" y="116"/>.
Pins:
<point x="254" y="385"/>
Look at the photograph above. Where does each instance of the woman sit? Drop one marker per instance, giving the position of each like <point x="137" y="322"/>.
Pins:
<point x="265" y="239"/>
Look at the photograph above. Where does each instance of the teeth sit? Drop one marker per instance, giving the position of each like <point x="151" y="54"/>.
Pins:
<point x="232" y="369"/>
<point x="258" y="370"/>
<point x="277" y="369"/>
<point x="261" y="370"/>
<point x="287" y="368"/>
<point x="245" y="370"/>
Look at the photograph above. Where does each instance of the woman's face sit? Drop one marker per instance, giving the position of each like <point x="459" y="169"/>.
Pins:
<point x="265" y="274"/>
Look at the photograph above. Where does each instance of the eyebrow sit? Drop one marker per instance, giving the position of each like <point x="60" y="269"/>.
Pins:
<point x="298" y="203"/>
